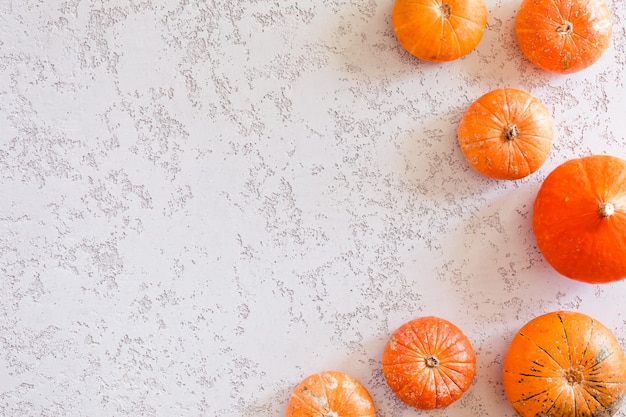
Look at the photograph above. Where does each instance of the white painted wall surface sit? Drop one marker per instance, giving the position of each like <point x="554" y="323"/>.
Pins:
<point x="203" y="202"/>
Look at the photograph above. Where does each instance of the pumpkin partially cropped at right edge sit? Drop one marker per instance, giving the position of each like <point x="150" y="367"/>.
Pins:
<point x="563" y="36"/>
<point x="579" y="219"/>
<point x="565" y="364"/>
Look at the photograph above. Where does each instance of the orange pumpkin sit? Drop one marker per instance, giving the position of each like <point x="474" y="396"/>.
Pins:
<point x="565" y="364"/>
<point x="429" y="363"/>
<point x="563" y="36"/>
<point x="579" y="219"/>
<point x="506" y="134"/>
<point x="439" y="30"/>
<point x="330" y="394"/>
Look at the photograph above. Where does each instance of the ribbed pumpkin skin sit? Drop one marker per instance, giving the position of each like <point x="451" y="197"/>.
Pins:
<point x="410" y="354"/>
<point x="439" y="30"/>
<point x="330" y="394"/>
<point x="570" y="231"/>
<point x="506" y="134"/>
<point x="563" y="36"/>
<point x="565" y="364"/>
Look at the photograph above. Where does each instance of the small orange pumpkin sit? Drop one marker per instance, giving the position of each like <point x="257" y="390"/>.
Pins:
<point x="330" y="394"/>
<point x="439" y="30"/>
<point x="565" y="364"/>
<point x="506" y="134"/>
<point x="429" y="363"/>
<point x="563" y="36"/>
<point x="579" y="219"/>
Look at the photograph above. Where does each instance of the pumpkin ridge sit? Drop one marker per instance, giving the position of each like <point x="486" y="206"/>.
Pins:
<point x="410" y="23"/>
<point x="584" y="361"/>
<point x="541" y="348"/>
<point x="570" y="45"/>
<point x="421" y="347"/>
<point x="441" y="384"/>
<point x="346" y="400"/>
<point x="465" y="19"/>
<point x="584" y="17"/>
<point x="447" y="350"/>
<point x="406" y="362"/>
<point x="408" y="384"/>
<point x="530" y="140"/>
<point x="530" y="397"/>
<point x="498" y="115"/>
<point x="529" y="375"/>
<point x="588" y="184"/>
<point x="416" y="351"/>
<point x="300" y="397"/>
<point x="556" y="399"/>
<point x="442" y="344"/>
<point x="513" y="115"/>
<point x="599" y="362"/>
<point x="428" y="345"/>
<point x="325" y="387"/>
<point x="601" y="383"/>
<point x="566" y="339"/>
<point x="452" y="29"/>
<point x="445" y="371"/>
<point x="528" y="115"/>
<point x="563" y="15"/>
<point x="515" y="163"/>
<point x="588" y="393"/>
<point x="424" y="39"/>
<point x="576" y="37"/>
<point x="455" y="364"/>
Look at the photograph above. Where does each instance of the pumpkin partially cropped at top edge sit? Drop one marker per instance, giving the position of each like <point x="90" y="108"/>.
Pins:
<point x="506" y="134"/>
<point x="330" y="394"/>
<point x="436" y="30"/>
<point x="563" y="36"/>
<point x="564" y="364"/>
<point x="579" y="219"/>
<point x="428" y="363"/>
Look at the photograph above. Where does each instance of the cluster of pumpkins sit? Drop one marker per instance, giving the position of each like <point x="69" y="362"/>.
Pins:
<point x="560" y="364"/>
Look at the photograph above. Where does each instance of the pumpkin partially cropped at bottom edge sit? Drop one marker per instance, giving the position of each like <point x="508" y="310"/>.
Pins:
<point x="506" y="134"/>
<point x="579" y="219"/>
<point x="563" y="36"/>
<point x="565" y="364"/>
<point x="429" y="363"/>
<point x="330" y="394"/>
<point x="436" y="30"/>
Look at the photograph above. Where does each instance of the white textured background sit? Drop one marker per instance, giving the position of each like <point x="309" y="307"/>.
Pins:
<point x="203" y="202"/>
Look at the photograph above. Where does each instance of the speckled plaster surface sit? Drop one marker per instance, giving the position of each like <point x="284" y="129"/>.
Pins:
<point x="206" y="201"/>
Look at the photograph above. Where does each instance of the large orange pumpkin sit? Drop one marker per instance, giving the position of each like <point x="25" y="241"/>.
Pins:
<point x="429" y="363"/>
<point x="579" y="219"/>
<point x="565" y="364"/>
<point x="330" y="394"/>
<point x="563" y="36"/>
<point x="439" y="30"/>
<point x="506" y="134"/>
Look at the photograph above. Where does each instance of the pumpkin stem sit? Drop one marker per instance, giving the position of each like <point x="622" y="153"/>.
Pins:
<point x="573" y="376"/>
<point x="565" y="28"/>
<point x="431" y="361"/>
<point x="446" y="10"/>
<point x="606" y="209"/>
<point x="511" y="132"/>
